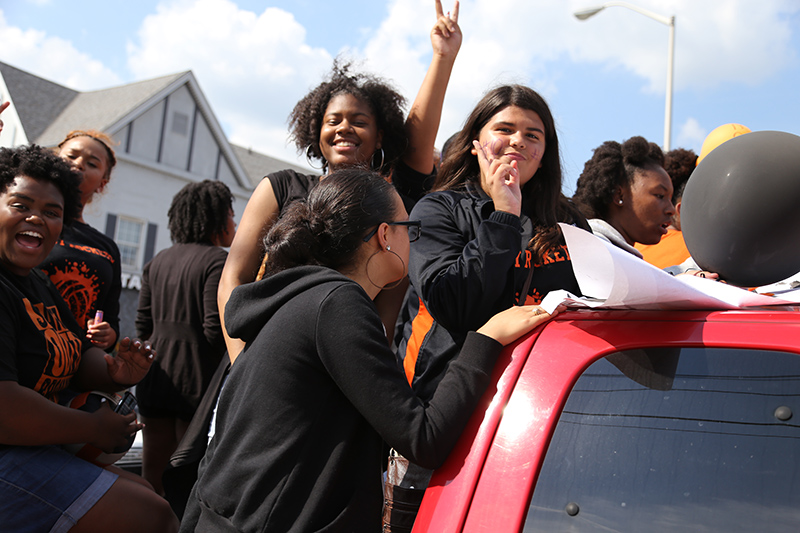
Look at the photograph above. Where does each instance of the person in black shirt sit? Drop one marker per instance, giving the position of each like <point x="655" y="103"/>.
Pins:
<point x="308" y="403"/>
<point x="491" y="238"/>
<point x="351" y="120"/>
<point x="43" y="361"/>
<point x="85" y="263"/>
<point x="178" y="314"/>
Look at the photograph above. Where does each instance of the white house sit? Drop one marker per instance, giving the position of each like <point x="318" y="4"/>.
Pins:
<point x="167" y="136"/>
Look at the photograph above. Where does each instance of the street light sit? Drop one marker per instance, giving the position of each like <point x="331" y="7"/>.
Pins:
<point x="669" y="21"/>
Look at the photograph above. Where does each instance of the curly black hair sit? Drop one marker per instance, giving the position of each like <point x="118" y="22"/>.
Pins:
<point x="305" y="121"/>
<point x="199" y="212"/>
<point x="613" y="165"/>
<point x="42" y="164"/>
<point x="679" y="164"/>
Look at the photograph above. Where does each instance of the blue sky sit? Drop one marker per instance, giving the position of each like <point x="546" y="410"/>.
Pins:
<point x="736" y="60"/>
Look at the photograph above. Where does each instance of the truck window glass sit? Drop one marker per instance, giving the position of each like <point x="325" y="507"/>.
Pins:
<point x="689" y="439"/>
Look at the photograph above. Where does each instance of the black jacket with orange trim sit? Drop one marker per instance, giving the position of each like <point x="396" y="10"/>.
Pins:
<point x="469" y="263"/>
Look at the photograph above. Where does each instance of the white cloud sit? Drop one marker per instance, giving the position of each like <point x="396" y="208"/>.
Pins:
<point x="691" y="134"/>
<point x="493" y="52"/>
<point x="509" y="41"/>
<point x="252" y="67"/>
<point x="738" y="41"/>
<point x="52" y="58"/>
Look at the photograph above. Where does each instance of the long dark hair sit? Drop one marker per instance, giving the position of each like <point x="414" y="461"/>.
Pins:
<point x="542" y="199"/>
<point x="328" y="227"/>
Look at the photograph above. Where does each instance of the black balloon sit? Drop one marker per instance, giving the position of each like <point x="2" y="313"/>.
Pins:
<point x="740" y="212"/>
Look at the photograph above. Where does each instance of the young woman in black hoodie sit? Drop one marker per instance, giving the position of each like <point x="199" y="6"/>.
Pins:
<point x="316" y="392"/>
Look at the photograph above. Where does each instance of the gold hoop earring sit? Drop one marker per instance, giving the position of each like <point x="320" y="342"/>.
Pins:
<point x="369" y="278"/>
<point x="394" y="284"/>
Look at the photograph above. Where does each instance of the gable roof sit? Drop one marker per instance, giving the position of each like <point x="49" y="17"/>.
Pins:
<point x="103" y="109"/>
<point x="48" y="110"/>
<point x="258" y="165"/>
<point x="38" y="102"/>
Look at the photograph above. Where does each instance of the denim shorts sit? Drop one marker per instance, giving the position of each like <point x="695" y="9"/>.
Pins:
<point x="44" y="488"/>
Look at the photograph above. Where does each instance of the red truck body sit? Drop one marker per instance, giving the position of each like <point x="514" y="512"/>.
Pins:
<point x="488" y="481"/>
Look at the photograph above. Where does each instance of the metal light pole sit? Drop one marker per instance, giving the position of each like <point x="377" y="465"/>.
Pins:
<point x="669" y="21"/>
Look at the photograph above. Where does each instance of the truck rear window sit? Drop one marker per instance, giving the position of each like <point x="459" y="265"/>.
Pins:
<point x="686" y="439"/>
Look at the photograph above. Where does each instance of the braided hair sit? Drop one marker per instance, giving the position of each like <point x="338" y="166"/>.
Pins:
<point x="199" y="212"/>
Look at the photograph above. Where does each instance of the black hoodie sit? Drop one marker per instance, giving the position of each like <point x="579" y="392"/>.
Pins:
<point x="308" y="404"/>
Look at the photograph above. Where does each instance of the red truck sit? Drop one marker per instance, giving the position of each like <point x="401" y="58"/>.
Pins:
<point x="633" y="421"/>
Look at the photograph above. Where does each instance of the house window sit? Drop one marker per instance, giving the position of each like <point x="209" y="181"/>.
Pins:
<point x="130" y="240"/>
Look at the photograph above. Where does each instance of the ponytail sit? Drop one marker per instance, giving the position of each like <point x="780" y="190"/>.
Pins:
<point x="328" y="227"/>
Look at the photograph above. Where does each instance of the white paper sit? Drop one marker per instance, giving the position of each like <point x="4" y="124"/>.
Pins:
<point x="611" y="278"/>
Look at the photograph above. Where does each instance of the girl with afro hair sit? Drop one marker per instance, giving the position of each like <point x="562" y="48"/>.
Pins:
<point x="351" y="120"/>
<point x="626" y="194"/>
<point x="43" y="366"/>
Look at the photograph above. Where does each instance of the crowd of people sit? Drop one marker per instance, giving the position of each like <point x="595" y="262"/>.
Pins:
<point x="358" y="312"/>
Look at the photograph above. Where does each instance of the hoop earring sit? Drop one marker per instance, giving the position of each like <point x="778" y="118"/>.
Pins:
<point x="309" y="155"/>
<point x="393" y="284"/>
<point x="379" y="167"/>
<point x="367" y="267"/>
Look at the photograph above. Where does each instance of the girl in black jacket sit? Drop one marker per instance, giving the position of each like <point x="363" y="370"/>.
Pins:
<point x="491" y="238"/>
<point x="316" y="391"/>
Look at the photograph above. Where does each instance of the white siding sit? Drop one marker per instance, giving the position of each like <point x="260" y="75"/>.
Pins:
<point x="178" y="130"/>
<point x="146" y="133"/>
<point x="226" y="175"/>
<point x="121" y="138"/>
<point x="205" y="150"/>
<point x="138" y="192"/>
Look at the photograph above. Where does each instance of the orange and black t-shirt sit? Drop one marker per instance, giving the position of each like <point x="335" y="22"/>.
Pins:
<point x="40" y="342"/>
<point x="84" y="265"/>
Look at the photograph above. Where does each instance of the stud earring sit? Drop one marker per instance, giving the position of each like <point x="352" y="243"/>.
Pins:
<point x="388" y="248"/>
<point x="620" y="202"/>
